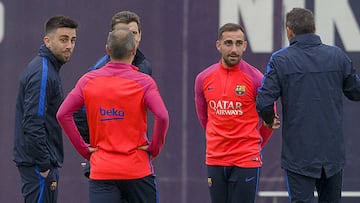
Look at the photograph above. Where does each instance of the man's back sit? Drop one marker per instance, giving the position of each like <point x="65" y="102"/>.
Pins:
<point x="312" y="76"/>
<point x="117" y="121"/>
<point x="139" y="61"/>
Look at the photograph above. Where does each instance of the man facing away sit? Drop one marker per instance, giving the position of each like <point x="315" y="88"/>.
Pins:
<point x="38" y="145"/>
<point x="225" y="96"/>
<point x="122" y="19"/>
<point x="116" y="98"/>
<point x="310" y="77"/>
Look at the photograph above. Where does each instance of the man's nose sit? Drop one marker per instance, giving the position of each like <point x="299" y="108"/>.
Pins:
<point x="70" y="44"/>
<point x="234" y="47"/>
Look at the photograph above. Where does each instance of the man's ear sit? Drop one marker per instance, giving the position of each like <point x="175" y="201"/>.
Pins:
<point x="107" y="50"/>
<point x="139" y="36"/>
<point x="290" y="33"/>
<point x="133" y="52"/>
<point x="245" y="45"/>
<point x="46" y="41"/>
<point x="218" y="45"/>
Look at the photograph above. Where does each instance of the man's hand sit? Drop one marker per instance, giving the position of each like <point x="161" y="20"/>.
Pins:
<point x="92" y="149"/>
<point x="45" y="173"/>
<point x="145" y="147"/>
<point x="275" y="124"/>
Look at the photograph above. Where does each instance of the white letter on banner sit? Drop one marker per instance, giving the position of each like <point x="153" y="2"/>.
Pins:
<point x="257" y="18"/>
<point x="337" y="13"/>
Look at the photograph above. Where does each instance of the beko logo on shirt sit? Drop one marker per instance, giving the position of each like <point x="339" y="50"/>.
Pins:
<point x="111" y="114"/>
<point x="224" y="107"/>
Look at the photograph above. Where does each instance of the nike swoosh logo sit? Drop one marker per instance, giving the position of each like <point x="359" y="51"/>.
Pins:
<point x="210" y="88"/>
<point x="249" y="179"/>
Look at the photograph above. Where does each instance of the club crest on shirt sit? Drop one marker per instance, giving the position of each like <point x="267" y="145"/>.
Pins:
<point x="240" y="90"/>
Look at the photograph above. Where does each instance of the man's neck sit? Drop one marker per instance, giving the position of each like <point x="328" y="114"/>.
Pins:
<point x="127" y="60"/>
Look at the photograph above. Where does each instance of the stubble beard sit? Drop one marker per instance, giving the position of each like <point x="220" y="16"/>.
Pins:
<point x="231" y="62"/>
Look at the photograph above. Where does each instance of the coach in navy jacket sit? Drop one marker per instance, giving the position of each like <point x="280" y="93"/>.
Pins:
<point x="310" y="77"/>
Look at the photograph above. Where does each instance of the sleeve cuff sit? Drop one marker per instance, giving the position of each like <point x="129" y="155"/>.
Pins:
<point x="44" y="167"/>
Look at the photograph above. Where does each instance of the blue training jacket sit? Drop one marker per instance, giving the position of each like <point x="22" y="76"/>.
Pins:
<point x="38" y="136"/>
<point x="310" y="78"/>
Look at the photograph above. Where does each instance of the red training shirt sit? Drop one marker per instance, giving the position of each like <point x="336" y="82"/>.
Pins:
<point x="116" y="97"/>
<point x="225" y="100"/>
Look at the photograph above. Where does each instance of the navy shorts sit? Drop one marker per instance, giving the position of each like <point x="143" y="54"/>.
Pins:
<point x="142" y="190"/>
<point x="231" y="184"/>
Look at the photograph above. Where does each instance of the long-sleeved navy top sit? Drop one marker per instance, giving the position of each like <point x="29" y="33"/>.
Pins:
<point x="38" y="136"/>
<point x="310" y="78"/>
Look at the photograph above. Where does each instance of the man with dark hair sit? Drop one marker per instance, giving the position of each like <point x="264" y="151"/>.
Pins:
<point x="122" y="19"/>
<point x="310" y="77"/>
<point x="38" y="145"/>
<point x="225" y="96"/>
<point x="116" y="98"/>
<point x="130" y="20"/>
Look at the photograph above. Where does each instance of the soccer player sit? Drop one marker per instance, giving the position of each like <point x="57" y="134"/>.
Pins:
<point x="116" y="98"/>
<point x="38" y="144"/>
<point x="225" y="96"/>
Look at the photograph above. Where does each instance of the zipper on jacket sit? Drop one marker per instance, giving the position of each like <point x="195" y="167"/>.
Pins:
<point x="226" y="81"/>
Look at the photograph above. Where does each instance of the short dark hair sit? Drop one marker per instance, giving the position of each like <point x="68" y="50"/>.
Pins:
<point x="230" y="27"/>
<point x="125" y="17"/>
<point x="56" y="22"/>
<point x="300" y="21"/>
<point x="120" y="43"/>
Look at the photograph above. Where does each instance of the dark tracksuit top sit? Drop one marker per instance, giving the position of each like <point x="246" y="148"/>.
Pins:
<point x="310" y="77"/>
<point x="139" y="61"/>
<point x="38" y="136"/>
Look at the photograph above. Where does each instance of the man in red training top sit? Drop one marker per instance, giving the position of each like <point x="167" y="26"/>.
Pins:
<point x="116" y="97"/>
<point x="225" y="98"/>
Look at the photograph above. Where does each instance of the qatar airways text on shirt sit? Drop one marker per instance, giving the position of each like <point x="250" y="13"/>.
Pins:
<point x="225" y="107"/>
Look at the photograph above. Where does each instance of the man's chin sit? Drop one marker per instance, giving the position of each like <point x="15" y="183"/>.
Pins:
<point x="230" y="63"/>
<point x="65" y="59"/>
